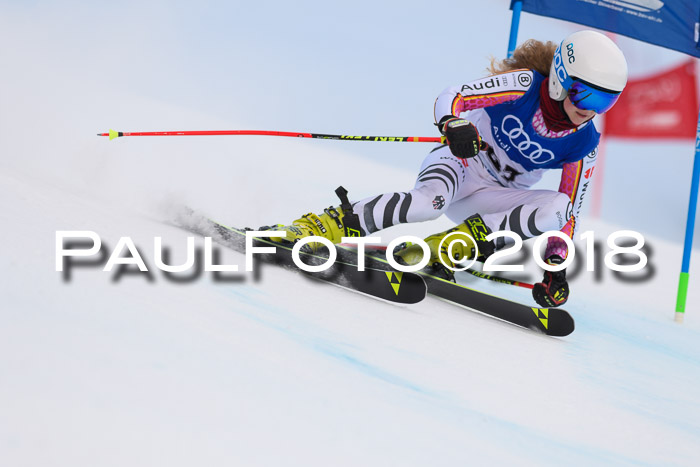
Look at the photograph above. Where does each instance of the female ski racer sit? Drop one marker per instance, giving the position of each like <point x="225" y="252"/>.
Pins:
<point x="533" y="113"/>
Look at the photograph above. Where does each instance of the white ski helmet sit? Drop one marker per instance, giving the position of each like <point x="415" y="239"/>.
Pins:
<point x="590" y="69"/>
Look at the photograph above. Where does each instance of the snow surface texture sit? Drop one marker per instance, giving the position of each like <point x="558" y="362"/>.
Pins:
<point x="104" y="370"/>
<point x="289" y="371"/>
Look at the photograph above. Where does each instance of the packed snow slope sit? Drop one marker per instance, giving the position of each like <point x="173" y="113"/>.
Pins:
<point x="134" y="369"/>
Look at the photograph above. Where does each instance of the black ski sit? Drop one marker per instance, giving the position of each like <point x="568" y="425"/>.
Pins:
<point x="550" y="321"/>
<point x="383" y="283"/>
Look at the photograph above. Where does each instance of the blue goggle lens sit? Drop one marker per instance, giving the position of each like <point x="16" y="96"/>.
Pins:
<point x="585" y="96"/>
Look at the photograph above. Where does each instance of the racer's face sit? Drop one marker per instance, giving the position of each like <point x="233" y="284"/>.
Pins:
<point x="576" y="115"/>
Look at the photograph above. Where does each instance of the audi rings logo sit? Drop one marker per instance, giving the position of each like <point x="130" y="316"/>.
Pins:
<point x="512" y="127"/>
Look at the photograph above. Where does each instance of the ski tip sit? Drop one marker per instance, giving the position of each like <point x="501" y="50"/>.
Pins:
<point x="561" y="323"/>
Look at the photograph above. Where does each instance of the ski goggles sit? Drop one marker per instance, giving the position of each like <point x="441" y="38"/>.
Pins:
<point x="587" y="96"/>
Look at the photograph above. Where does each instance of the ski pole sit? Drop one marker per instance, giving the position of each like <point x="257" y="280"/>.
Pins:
<point x="473" y="272"/>
<point x="500" y="280"/>
<point x="403" y="139"/>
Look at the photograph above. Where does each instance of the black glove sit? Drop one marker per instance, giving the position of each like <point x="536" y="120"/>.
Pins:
<point x="553" y="290"/>
<point x="462" y="137"/>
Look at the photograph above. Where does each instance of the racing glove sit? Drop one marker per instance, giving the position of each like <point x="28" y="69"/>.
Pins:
<point x="553" y="290"/>
<point x="462" y="137"/>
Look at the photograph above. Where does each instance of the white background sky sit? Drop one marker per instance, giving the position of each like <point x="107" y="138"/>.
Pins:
<point x="71" y="69"/>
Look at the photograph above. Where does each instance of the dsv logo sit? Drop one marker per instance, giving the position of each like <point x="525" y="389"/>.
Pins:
<point x="512" y="127"/>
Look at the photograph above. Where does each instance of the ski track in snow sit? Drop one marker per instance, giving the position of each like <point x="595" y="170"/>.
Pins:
<point x="323" y="374"/>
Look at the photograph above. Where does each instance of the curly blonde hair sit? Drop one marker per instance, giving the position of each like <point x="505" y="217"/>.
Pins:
<point x="531" y="54"/>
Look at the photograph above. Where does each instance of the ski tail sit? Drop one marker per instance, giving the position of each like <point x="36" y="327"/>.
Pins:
<point x="384" y="284"/>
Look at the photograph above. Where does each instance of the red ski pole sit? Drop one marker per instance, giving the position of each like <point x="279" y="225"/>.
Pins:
<point x="403" y="139"/>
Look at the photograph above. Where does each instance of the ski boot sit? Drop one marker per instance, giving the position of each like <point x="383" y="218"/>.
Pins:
<point x="333" y="224"/>
<point x="441" y="260"/>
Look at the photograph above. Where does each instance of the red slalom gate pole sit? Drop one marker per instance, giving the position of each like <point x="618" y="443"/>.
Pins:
<point x="401" y="139"/>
